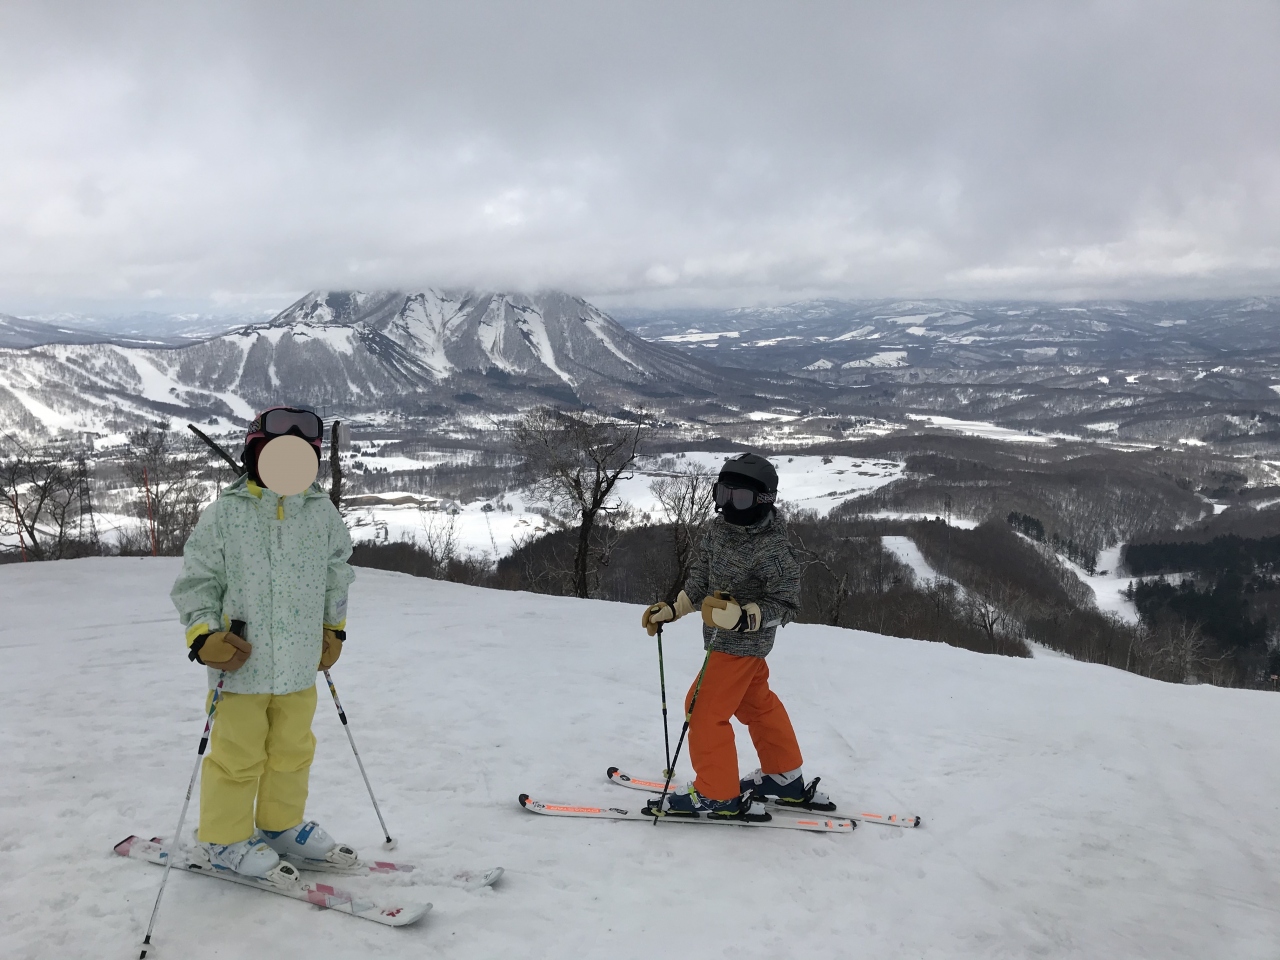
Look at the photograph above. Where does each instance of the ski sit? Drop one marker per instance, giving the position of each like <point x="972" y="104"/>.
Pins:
<point x="319" y="894"/>
<point x="616" y="776"/>
<point x="824" y="825"/>
<point x="464" y="879"/>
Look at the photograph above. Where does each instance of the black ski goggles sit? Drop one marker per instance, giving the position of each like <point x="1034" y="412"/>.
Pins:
<point x="280" y="421"/>
<point x="740" y="498"/>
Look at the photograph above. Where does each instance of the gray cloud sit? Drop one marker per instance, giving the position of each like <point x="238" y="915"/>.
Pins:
<point x="639" y="152"/>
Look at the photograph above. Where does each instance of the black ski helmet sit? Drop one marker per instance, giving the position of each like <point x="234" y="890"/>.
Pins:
<point x="751" y="467"/>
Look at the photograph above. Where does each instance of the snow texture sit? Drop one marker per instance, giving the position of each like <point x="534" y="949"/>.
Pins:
<point x="1071" y="810"/>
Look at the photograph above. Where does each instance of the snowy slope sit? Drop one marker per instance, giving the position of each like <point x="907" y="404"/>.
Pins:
<point x="1071" y="810"/>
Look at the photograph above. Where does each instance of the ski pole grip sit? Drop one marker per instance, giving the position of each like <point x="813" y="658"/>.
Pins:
<point x="238" y="627"/>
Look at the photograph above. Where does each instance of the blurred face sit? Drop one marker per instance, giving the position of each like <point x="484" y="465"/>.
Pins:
<point x="287" y="465"/>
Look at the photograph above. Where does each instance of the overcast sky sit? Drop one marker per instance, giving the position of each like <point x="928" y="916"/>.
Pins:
<point x="227" y="154"/>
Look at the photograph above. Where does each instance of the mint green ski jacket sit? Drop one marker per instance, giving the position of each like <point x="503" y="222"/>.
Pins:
<point x="280" y="565"/>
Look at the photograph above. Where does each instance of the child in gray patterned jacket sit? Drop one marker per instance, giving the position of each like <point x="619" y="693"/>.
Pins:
<point x="747" y="582"/>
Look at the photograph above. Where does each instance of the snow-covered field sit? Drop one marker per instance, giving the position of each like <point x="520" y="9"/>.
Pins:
<point x="979" y="428"/>
<point x="805" y="482"/>
<point x="1070" y="810"/>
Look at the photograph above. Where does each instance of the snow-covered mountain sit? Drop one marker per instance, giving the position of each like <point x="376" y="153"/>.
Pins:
<point x="396" y="351"/>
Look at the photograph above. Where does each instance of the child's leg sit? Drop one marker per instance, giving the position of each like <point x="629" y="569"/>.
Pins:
<point x="229" y="776"/>
<point x="770" y="727"/>
<point x="711" y="744"/>
<point x="282" y="791"/>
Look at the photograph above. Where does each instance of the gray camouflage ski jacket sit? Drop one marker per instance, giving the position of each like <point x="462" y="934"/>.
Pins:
<point x="754" y="564"/>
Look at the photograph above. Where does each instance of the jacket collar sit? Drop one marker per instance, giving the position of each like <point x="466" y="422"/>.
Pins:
<point x="244" y="487"/>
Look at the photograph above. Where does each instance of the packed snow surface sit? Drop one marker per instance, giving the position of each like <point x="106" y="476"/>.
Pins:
<point x="1070" y="810"/>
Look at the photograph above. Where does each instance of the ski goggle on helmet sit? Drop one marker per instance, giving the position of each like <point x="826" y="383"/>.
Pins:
<point x="282" y="421"/>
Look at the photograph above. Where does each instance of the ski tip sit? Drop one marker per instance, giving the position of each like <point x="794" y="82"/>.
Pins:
<point x="611" y="773"/>
<point x="524" y="800"/>
<point x="123" y="846"/>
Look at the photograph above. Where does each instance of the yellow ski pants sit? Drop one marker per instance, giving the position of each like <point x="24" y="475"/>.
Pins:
<point x="261" y="748"/>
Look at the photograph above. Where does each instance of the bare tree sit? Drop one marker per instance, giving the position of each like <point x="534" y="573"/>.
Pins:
<point x="685" y="498"/>
<point x="439" y="537"/>
<point x="996" y="608"/>
<point x="577" y="459"/>
<point x="167" y="471"/>
<point x="42" y="500"/>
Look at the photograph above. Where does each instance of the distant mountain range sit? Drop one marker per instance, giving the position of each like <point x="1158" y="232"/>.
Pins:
<point x="18" y="333"/>
<point x="1204" y="371"/>
<point x="389" y="353"/>
<point x="834" y="338"/>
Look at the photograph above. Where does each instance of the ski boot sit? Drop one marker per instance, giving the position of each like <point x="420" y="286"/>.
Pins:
<point x="686" y="802"/>
<point x="787" y="790"/>
<point x="249" y="858"/>
<point x="308" y="845"/>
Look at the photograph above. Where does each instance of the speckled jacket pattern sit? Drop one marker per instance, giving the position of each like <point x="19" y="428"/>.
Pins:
<point x="286" y="578"/>
<point x="754" y="564"/>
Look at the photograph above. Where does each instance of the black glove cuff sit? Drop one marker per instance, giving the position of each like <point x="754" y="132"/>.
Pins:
<point x="196" y="644"/>
<point x="340" y="634"/>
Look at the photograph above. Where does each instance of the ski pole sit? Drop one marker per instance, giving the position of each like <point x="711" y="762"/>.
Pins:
<point x="388" y="843"/>
<point x="238" y="628"/>
<point x="666" y="727"/>
<point x="693" y="702"/>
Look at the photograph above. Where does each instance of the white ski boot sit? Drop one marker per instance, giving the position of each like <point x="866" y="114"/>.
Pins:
<point x="249" y="858"/>
<point x="308" y="845"/>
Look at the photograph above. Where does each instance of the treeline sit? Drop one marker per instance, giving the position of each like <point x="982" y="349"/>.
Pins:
<point x="57" y="504"/>
<point x="1222" y="554"/>
<point x="1082" y="498"/>
<point x="1029" y="526"/>
<point x="849" y="580"/>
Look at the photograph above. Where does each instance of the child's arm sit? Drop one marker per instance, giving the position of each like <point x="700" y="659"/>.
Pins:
<point x="339" y="574"/>
<point x="780" y="573"/>
<point x="198" y="592"/>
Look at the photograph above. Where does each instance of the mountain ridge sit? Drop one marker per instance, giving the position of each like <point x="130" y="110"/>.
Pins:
<point x="380" y="353"/>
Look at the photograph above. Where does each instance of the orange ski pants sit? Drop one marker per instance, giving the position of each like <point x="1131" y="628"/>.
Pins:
<point x="736" y="687"/>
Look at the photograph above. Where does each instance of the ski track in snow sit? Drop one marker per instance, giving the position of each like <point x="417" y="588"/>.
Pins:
<point x="1070" y="810"/>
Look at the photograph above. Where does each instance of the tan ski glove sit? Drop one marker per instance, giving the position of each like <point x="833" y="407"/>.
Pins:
<point x="223" y="650"/>
<point x="660" y="613"/>
<point x="722" y="611"/>
<point x="333" y="640"/>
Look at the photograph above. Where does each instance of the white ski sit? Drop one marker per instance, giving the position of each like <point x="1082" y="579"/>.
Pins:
<point x="819" y="825"/>
<point x="616" y="776"/>
<point x="464" y="879"/>
<point x="319" y="894"/>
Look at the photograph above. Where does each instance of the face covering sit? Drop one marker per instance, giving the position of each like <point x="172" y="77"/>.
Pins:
<point x="745" y="518"/>
<point x="287" y="465"/>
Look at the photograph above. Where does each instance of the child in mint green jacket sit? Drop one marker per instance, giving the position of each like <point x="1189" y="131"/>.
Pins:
<point x="272" y="553"/>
